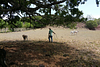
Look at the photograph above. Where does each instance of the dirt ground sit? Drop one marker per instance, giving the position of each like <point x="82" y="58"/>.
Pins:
<point x="67" y="50"/>
<point x="62" y="35"/>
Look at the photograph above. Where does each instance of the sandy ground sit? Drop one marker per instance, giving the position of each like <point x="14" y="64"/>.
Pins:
<point x="62" y="35"/>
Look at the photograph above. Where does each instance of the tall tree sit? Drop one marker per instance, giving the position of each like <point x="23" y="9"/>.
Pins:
<point x="63" y="8"/>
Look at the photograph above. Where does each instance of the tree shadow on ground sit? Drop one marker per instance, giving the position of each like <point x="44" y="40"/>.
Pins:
<point x="35" y="53"/>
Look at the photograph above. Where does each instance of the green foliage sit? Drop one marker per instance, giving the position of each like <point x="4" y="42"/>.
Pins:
<point x="41" y="11"/>
<point x="3" y="24"/>
<point x="76" y="12"/>
<point x="37" y="25"/>
<point x="38" y="17"/>
<point x="27" y="25"/>
<point x="12" y="25"/>
<point x="37" y="13"/>
<point x="91" y="24"/>
<point x="25" y="19"/>
<point x="19" y="24"/>
<point x="98" y="21"/>
<point x="71" y="25"/>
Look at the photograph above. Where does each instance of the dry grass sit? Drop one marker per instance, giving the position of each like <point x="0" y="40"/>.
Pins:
<point x="81" y="50"/>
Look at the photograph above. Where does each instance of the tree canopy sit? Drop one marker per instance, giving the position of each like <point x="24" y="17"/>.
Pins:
<point x="64" y="10"/>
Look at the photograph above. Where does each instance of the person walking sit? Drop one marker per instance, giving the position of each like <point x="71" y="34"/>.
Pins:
<point x="50" y="35"/>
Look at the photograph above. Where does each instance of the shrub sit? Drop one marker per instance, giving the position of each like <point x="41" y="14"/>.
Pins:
<point x="19" y="24"/>
<point x="38" y="25"/>
<point x="91" y="24"/>
<point x="28" y="25"/>
<point x="71" y="25"/>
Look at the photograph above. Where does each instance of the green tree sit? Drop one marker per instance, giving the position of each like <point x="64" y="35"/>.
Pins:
<point x="91" y="24"/>
<point x="11" y="26"/>
<point x="19" y="24"/>
<point x="72" y="26"/>
<point x="63" y="9"/>
<point x="27" y="25"/>
<point x="98" y="21"/>
<point x="3" y="24"/>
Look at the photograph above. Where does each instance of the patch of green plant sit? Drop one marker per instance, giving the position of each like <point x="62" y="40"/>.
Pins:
<point x="72" y="26"/>
<point x="91" y="24"/>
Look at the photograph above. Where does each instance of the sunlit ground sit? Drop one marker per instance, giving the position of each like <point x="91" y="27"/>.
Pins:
<point x="81" y="49"/>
